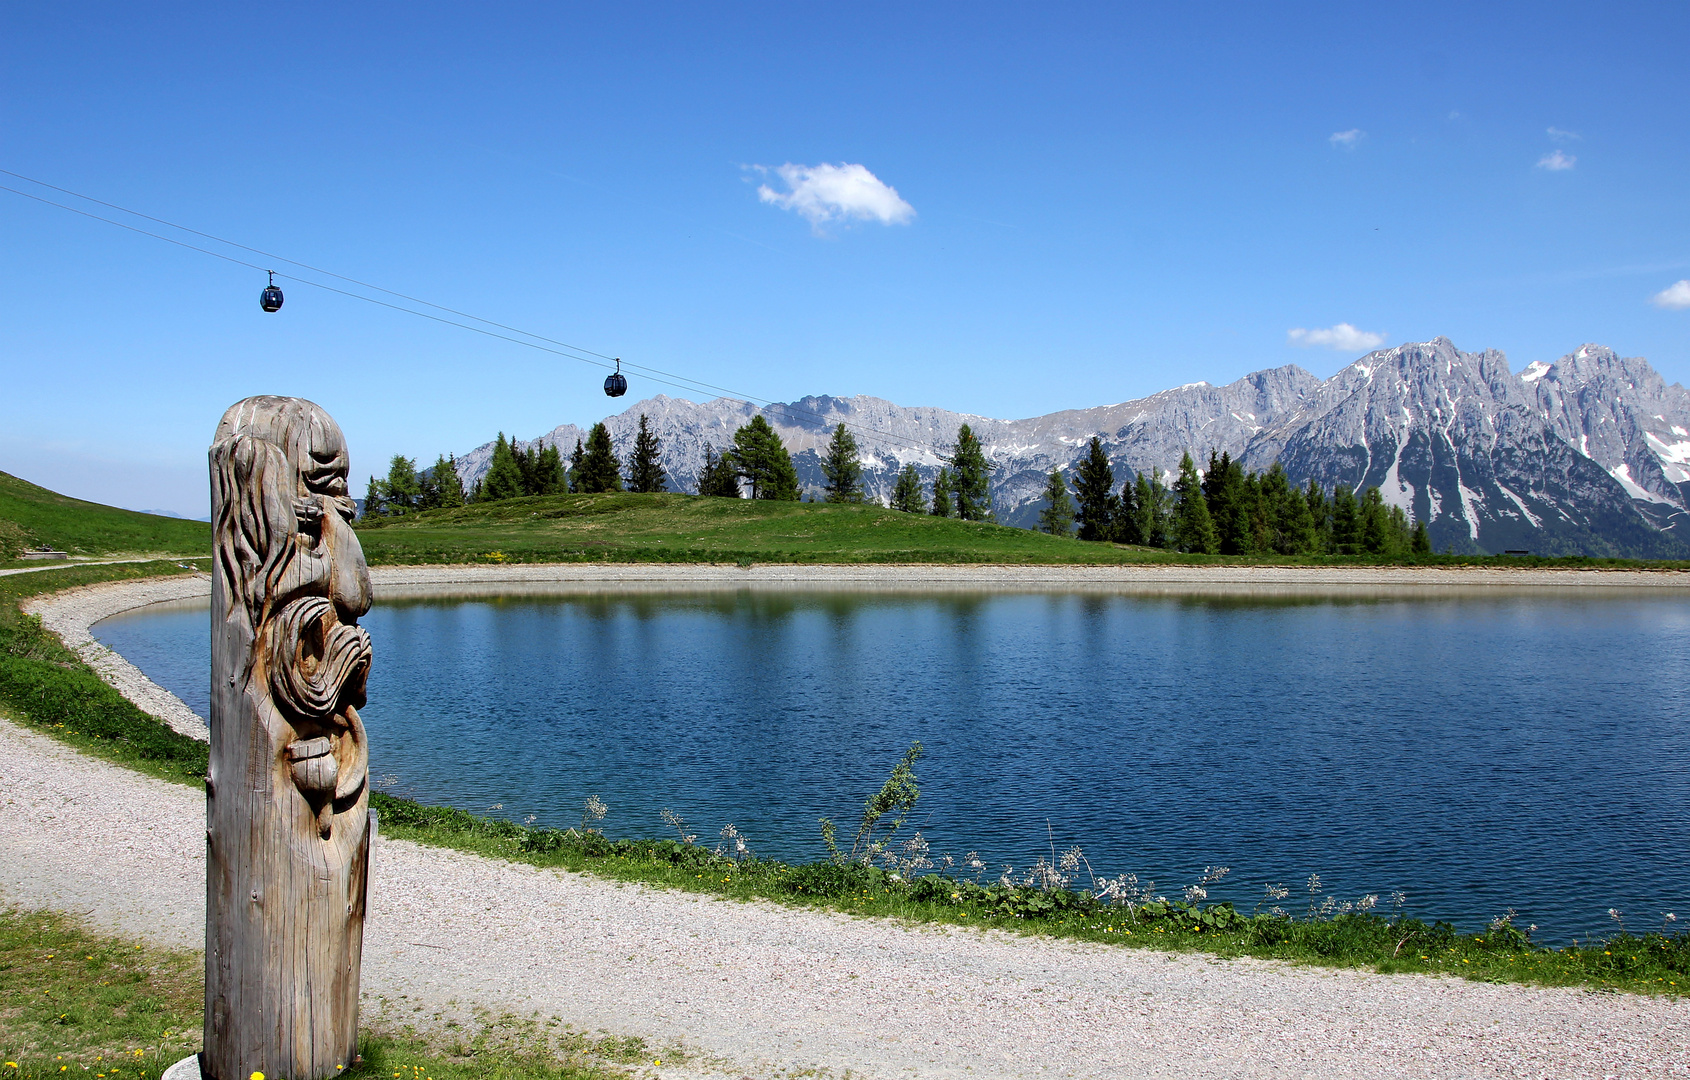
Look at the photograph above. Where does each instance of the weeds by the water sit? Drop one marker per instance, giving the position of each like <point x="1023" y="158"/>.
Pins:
<point x="1124" y="911"/>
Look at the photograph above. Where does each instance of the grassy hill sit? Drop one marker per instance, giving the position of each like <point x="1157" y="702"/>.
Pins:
<point x="31" y="516"/>
<point x="687" y="528"/>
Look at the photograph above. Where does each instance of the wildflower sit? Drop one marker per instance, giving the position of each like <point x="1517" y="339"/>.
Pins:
<point x="1194" y="893"/>
<point x="256" y="1076"/>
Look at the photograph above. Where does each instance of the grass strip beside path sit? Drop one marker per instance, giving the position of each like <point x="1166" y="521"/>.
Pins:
<point x="88" y="1006"/>
<point x="48" y="687"/>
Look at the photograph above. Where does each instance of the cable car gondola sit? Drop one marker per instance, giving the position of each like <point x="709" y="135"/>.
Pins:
<point x="615" y="385"/>
<point x="271" y="298"/>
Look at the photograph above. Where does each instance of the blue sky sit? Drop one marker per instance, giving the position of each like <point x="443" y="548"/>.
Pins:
<point x="1066" y="205"/>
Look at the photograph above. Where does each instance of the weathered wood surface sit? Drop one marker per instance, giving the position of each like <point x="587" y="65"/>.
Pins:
<point x="287" y="799"/>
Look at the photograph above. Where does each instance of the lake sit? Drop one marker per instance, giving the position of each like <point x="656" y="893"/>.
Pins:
<point x="1478" y="750"/>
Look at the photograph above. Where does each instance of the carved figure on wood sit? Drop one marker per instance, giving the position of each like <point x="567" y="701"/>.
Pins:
<point x="287" y="793"/>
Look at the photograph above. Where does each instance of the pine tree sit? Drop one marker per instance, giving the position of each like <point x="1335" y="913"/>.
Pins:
<point x="504" y="475"/>
<point x="1128" y="526"/>
<point x="1320" y="511"/>
<point x="401" y="489"/>
<point x="1346" y="521"/>
<point x="645" y="470"/>
<point x="600" y="471"/>
<point x="970" y="477"/>
<point x="374" y="504"/>
<point x="759" y="456"/>
<point x="447" y="485"/>
<point x="1226" y="491"/>
<point x="717" y="478"/>
<point x="942" y="494"/>
<point x="528" y="465"/>
<point x="1094" y="482"/>
<point x="1193" y="528"/>
<point x="548" y="471"/>
<point x="1377" y="534"/>
<point x="573" y="477"/>
<point x="1421" y="544"/>
<point x="1057" y="518"/>
<point x="907" y="494"/>
<point x="842" y="468"/>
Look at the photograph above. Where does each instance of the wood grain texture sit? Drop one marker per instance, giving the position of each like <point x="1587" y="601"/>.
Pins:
<point x="287" y="797"/>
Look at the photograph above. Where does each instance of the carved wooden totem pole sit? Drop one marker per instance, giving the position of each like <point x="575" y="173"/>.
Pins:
<point x="287" y="799"/>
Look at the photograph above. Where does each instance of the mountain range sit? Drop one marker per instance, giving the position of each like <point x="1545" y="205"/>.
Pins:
<point x="1588" y="455"/>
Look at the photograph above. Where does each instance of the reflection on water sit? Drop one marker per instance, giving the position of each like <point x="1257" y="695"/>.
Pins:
<point x="1475" y="749"/>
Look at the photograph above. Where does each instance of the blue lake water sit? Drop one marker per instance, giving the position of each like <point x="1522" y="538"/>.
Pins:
<point x="1478" y="751"/>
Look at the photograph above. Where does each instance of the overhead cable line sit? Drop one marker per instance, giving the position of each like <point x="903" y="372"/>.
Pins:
<point x="562" y="349"/>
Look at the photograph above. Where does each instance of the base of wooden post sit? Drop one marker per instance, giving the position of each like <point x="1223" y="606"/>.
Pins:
<point x="186" y="1069"/>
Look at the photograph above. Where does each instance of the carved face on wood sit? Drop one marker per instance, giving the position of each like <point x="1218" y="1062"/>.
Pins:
<point x="296" y="583"/>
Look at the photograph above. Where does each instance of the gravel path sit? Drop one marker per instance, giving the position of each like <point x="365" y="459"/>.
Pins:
<point x="762" y="990"/>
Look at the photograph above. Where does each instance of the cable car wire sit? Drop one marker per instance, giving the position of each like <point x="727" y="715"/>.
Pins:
<point x="563" y="349"/>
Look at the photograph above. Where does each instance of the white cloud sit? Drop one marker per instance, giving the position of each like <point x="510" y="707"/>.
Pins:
<point x="1557" y="162"/>
<point x="1347" y="139"/>
<point x="1563" y="135"/>
<point x="1675" y="297"/>
<point x="823" y="193"/>
<point x="1343" y="337"/>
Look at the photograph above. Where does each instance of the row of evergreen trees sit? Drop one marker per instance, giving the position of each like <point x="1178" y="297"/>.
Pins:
<point x="962" y="488"/>
<point x="1226" y="511"/>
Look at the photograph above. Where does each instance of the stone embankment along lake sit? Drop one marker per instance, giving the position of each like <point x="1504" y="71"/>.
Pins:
<point x="760" y="989"/>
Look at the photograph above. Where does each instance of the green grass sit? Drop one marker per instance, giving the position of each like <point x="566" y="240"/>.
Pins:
<point x="31" y="516"/>
<point x="1650" y="964"/>
<point x="689" y="529"/>
<point x="91" y="1006"/>
<point x="45" y="686"/>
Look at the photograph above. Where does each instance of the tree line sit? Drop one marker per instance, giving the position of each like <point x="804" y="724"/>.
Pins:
<point x="1225" y="511"/>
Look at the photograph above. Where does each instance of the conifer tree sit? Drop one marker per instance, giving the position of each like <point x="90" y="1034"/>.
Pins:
<point x="1226" y="491"/>
<point x="1346" y="521"/>
<point x="1057" y="518"/>
<point x="842" y="468"/>
<point x="573" y="476"/>
<point x="759" y="456"/>
<point x="717" y="478"/>
<point x="548" y="471"/>
<point x="1094" y="482"/>
<point x="1128" y="526"/>
<point x="907" y="494"/>
<point x="600" y="470"/>
<point x="1421" y="544"/>
<point x="1320" y="511"/>
<point x="942" y="493"/>
<point x="645" y="471"/>
<point x="447" y="487"/>
<point x="528" y="465"/>
<point x="504" y="475"/>
<point x="1150" y="504"/>
<point x="401" y="489"/>
<point x="1193" y="528"/>
<point x="374" y="504"/>
<point x="970" y="477"/>
<point x="1377" y="533"/>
